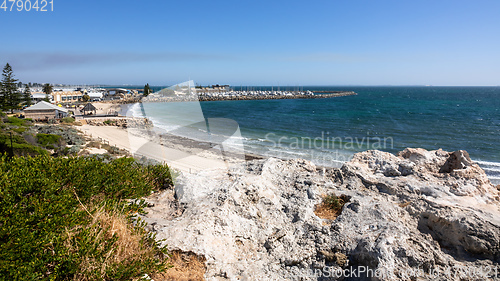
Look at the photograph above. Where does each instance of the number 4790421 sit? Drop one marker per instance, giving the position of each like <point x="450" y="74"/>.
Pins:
<point x="27" y="5"/>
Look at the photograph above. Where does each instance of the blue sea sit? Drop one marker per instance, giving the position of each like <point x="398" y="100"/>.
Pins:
<point x="329" y="131"/>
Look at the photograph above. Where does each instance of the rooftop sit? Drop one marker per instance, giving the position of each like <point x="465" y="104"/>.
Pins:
<point x="45" y="106"/>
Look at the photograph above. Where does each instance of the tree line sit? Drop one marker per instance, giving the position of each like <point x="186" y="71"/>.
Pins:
<point x="11" y="98"/>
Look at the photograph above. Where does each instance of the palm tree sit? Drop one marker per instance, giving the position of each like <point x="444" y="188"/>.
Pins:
<point x="47" y="89"/>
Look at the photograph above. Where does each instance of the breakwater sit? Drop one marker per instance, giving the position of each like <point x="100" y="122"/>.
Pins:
<point x="247" y="95"/>
<point x="328" y="92"/>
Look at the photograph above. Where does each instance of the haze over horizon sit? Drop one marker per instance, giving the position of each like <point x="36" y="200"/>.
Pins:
<point x="387" y="42"/>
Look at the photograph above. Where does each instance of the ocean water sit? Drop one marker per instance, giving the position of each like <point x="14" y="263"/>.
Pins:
<point x="329" y="131"/>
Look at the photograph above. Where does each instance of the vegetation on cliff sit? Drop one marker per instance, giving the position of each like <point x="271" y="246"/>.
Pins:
<point x="72" y="218"/>
<point x="64" y="217"/>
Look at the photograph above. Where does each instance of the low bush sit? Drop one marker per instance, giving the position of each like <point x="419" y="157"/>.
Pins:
<point x="110" y="122"/>
<point x="19" y="145"/>
<point x="70" y="135"/>
<point x="73" y="150"/>
<point x="94" y="144"/>
<point x="68" y="120"/>
<point x="48" y="139"/>
<point x="335" y="202"/>
<point x="68" y="219"/>
<point x="331" y="206"/>
<point x="113" y="150"/>
<point x="5" y="137"/>
<point x="16" y="121"/>
<point x="21" y="149"/>
<point x="20" y="130"/>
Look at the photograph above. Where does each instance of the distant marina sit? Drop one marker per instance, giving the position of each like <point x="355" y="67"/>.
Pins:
<point x="269" y="95"/>
<point x="69" y="95"/>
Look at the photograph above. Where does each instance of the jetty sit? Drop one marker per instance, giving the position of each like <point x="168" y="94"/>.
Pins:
<point x="245" y="95"/>
<point x="328" y="92"/>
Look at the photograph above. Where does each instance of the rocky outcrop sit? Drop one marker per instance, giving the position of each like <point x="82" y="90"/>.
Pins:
<point x="421" y="215"/>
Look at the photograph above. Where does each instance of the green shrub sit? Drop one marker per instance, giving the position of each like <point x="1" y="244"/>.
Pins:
<point x="19" y="145"/>
<point x="16" y="121"/>
<point x="335" y="202"/>
<point x="331" y="206"/>
<point x="114" y="150"/>
<point x="70" y="135"/>
<point x="5" y="138"/>
<point x="95" y="144"/>
<point x="21" y="149"/>
<point x="68" y="120"/>
<point x="73" y="150"/>
<point x="160" y="177"/>
<point x="20" y="130"/>
<point x="48" y="139"/>
<point x="56" y="216"/>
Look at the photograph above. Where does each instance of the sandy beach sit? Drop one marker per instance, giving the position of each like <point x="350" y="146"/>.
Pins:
<point x="106" y="107"/>
<point x="183" y="154"/>
<point x="185" y="157"/>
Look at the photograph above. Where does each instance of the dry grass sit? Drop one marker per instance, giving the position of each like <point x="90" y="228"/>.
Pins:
<point x="187" y="266"/>
<point x="405" y="204"/>
<point x="331" y="206"/>
<point x="95" y="144"/>
<point x="104" y="226"/>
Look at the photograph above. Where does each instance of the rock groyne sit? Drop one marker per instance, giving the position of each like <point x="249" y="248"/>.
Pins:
<point x="246" y="95"/>
<point x="127" y="122"/>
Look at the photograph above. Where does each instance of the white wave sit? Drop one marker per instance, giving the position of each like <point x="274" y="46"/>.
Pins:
<point x="157" y="122"/>
<point x="486" y="163"/>
<point x="136" y="110"/>
<point x="168" y="128"/>
<point x="491" y="170"/>
<point x="239" y="138"/>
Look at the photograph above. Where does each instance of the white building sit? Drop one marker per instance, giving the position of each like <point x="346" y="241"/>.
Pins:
<point x="45" y="111"/>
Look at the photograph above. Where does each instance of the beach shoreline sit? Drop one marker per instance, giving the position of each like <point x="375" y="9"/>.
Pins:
<point x="197" y="146"/>
<point x="183" y="154"/>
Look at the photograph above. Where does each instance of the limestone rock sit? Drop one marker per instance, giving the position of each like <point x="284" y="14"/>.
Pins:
<point x="409" y="215"/>
<point x="128" y="122"/>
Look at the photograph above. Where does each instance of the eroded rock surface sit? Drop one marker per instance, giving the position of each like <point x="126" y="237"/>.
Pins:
<point x="409" y="215"/>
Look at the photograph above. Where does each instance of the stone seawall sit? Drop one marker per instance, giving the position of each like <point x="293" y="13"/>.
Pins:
<point x="277" y="97"/>
<point x="129" y="122"/>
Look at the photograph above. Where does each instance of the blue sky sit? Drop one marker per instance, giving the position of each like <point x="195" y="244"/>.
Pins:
<point x="348" y="42"/>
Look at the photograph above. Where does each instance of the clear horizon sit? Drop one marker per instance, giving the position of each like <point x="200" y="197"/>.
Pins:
<point x="331" y="43"/>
